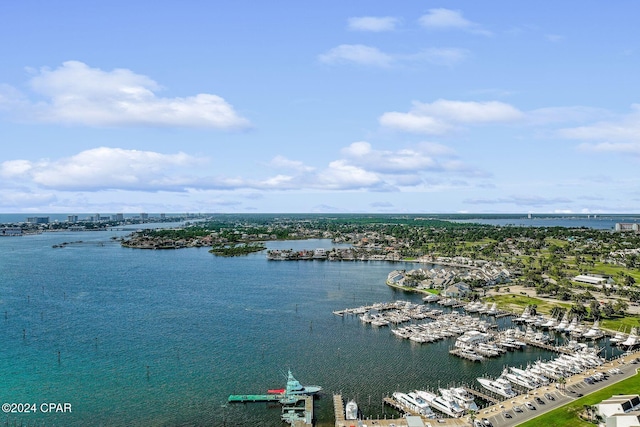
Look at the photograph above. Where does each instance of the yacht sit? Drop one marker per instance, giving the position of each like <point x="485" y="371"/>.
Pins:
<point x="294" y="387"/>
<point x="422" y="404"/>
<point x="431" y="298"/>
<point x="522" y="380"/>
<point x="493" y="310"/>
<point x="618" y="338"/>
<point x="562" y="326"/>
<point x="500" y="386"/>
<point x="549" y="324"/>
<point x="461" y="396"/>
<point x="525" y="315"/>
<point x="473" y="307"/>
<point x="446" y="406"/>
<point x="351" y="410"/>
<point x="594" y="333"/>
<point x="410" y="403"/>
<point x="632" y="340"/>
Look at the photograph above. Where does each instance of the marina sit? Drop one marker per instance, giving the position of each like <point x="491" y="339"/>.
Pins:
<point x="285" y="310"/>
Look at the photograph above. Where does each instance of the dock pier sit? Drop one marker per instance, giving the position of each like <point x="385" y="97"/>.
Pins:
<point x="549" y="347"/>
<point x="338" y="409"/>
<point x="482" y="396"/>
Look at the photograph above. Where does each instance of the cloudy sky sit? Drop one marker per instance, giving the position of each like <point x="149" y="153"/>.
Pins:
<point x="295" y="106"/>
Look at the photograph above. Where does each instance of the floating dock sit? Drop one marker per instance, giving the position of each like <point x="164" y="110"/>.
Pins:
<point x="482" y="396"/>
<point x="549" y="347"/>
<point x="246" y="398"/>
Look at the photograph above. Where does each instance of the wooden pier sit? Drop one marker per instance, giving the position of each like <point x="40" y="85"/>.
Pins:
<point x="473" y="357"/>
<point x="549" y="347"/>
<point x="338" y="409"/>
<point x="393" y="403"/>
<point x="482" y="396"/>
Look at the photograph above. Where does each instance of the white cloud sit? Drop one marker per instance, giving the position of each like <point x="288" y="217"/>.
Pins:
<point x="414" y="123"/>
<point x="103" y="168"/>
<point x="632" y="148"/>
<point x="554" y="38"/>
<point x="445" y="56"/>
<point x="281" y="162"/>
<point x="536" y="201"/>
<point x="441" y="115"/>
<point x="372" y="23"/>
<point x="409" y="160"/>
<point x="358" y="54"/>
<point x="618" y="135"/>
<point x="360" y="167"/>
<point x="74" y="93"/>
<point x="445" y="19"/>
<point x="341" y="175"/>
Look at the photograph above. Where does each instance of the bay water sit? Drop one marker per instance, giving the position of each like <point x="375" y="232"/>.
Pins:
<point x="132" y="337"/>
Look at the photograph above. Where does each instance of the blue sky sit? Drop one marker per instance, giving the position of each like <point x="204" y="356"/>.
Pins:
<point x="361" y="106"/>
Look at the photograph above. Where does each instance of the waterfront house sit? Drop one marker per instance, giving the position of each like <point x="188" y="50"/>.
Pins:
<point x="457" y="290"/>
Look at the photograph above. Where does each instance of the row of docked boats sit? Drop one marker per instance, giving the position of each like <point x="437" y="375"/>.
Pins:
<point x="453" y="402"/>
<point x="445" y="326"/>
<point x="402" y="313"/>
<point x="566" y="325"/>
<point x="540" y="373"/>
<point x="483" y="308"/>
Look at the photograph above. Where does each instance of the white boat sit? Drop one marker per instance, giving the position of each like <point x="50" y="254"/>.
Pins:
<point x="562" y="326"/>
<point x="594" y="333"/>
<point x="446" y="406"/>
<point x="425" y="409"/>
<point x="493" y="310"/>
<point x="431" y="298"/>
<point x="549" y="324"/>
<point x="409" y="403"/>
<point x="632" y="340"/>
<point x="618" y="338"/>
<point x="351" y="410"/>
<point x="521" y="380"/>
<point x="461" y="397"/>
<point x="526" y="314"/>
<point x="500" y="386"/>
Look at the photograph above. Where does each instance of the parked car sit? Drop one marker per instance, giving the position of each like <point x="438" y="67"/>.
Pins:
<point x="549" y="396"/>
<point x="530" y="405"/>
<point x="486" y="422"/>
<point x="540" y="401"/>
<point x="517" y="408"/>
<point x="507" y="415"/>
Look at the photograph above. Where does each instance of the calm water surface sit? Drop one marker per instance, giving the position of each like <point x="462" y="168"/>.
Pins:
<point x="137" y="338"/>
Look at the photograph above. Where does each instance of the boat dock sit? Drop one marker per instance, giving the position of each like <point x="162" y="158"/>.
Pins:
<point x="338" y="409"/>
<point x="393" y="403"/>
<point x="246" y="398"/>
<point x="481" y="395"/>
<point x="466" y="355"/>
<point x="549" y="347"/>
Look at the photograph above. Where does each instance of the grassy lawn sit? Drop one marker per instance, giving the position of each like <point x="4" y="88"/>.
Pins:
<point x="612" y="270"/>
<point x="567" y="415"/>
<point x="517" y="303"/>
<point x="621" y="323"/>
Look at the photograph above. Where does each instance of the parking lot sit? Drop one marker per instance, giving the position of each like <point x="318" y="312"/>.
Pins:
<point x="525" y="407"/>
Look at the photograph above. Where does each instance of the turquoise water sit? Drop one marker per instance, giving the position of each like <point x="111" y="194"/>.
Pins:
<point x="138" y="338"/>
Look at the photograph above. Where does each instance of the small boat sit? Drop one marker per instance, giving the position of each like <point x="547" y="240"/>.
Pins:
<point x="351" y="410"/>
